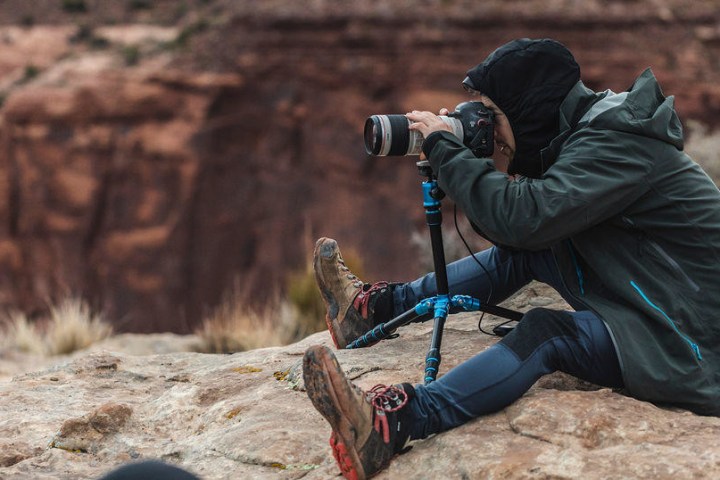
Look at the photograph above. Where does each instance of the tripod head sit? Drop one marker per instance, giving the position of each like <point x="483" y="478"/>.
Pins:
<point x="430" y="184"/>
<point x="425" y="169"/>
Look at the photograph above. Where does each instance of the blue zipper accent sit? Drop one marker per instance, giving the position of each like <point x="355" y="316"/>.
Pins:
<point x="687" y="339"/>
<point x="578" y="270"/>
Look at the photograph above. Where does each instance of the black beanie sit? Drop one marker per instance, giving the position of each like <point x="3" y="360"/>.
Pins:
<point x="528" y="80"/>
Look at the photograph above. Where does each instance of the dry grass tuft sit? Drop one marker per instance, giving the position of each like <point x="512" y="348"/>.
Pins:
<point x="72" y="326"/>
<point x="235" y="327"/>
<point x="20" y="334"/>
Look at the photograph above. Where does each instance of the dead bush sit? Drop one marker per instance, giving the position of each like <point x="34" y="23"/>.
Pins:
<point x="236" y="326"/>
<point x="71" y="326"/>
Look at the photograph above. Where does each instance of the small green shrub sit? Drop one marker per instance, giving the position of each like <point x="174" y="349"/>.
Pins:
<point x="74" y="6"/>
<point x="304" y="295"/>
<point x="140" y="5"/>
<point x="131" y="54"/>
<point x="189" y="31"/>
<point x="27" y="21"/>
<point x="31" y="71"/>
<point x="99" y="43"/>
<point x="84" y="33"/>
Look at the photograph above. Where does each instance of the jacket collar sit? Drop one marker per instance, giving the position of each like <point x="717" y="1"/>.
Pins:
<point x="577" y="102"/>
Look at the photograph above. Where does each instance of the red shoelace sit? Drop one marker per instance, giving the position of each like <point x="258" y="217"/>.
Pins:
<point x="386" y="399"/>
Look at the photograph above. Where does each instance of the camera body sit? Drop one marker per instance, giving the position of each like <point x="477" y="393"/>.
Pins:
<point x="471" y="122"/>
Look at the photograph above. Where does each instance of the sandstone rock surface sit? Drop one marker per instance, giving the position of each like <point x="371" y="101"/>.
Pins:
<point x="246" y="416"/>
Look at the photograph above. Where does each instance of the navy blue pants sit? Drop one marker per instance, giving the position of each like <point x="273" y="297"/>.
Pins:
<point x="544" y="341"/>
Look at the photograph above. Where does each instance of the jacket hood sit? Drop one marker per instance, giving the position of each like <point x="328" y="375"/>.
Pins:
<point x="641" y="110"/>
<point x="528" y="80"/>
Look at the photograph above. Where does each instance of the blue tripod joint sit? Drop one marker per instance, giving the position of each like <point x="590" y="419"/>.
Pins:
<point x="439" y="305"/>
<point x="442" y="306"/>
<point x="432" y="363"/>
<point x="425" y="306"/>
<point x="466" y="302"/>
<point x="370" y="338"/>
<point x="429" y="191"/>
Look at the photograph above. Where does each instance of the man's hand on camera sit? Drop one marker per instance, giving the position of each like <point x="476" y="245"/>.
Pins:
<point x="427" y="122"/>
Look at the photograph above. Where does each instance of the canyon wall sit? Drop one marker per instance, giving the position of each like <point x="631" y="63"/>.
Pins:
<point x="152" y="158"/>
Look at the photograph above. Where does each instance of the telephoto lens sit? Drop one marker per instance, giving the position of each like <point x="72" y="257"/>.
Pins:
<point x="389" y="135"/>
<point x="471" y="122"/>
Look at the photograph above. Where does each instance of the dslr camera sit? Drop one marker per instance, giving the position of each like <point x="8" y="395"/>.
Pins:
<point x="471" y="122"/>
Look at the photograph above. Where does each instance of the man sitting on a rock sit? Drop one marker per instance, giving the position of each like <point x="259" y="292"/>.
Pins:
<point x="595" y="198"/>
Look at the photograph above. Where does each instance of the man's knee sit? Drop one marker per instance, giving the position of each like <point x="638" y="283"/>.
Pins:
<point x="537" y="327"/>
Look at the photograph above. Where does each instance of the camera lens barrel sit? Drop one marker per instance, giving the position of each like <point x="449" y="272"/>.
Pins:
<point x="390" y="135"/>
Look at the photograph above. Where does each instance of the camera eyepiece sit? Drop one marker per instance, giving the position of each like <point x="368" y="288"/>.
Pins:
<point x="389" y="135"/>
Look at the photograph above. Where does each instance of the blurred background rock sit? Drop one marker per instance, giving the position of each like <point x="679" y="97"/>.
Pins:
<point x="158" y="158"/>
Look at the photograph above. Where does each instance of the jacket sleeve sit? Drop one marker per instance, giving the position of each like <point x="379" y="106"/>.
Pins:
<point x="597" y="174"/>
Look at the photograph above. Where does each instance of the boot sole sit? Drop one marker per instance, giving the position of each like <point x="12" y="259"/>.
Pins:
<point x="320" y="383"/>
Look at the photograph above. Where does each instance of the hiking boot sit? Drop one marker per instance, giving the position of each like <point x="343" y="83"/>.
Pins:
<point x="353" y="307"/>
<point x="369" y="428"/>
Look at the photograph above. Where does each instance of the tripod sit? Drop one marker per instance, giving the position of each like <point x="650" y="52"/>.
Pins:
<point x="440" y="305"/>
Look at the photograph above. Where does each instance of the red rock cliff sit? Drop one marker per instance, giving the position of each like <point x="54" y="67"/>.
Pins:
<point x="150" y="165"/>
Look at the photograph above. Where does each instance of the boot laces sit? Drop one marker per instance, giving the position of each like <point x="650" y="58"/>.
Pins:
<point x="386" y="399"/>
<point x="362" y="300"/>
<point x="349" y="275"/>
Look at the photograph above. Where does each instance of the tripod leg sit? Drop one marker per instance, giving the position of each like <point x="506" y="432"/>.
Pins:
<point x="434" y="222"/>
<point x="383" y="330"/>
<point x="433" y="357"/>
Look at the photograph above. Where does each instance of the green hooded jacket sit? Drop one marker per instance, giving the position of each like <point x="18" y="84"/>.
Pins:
<point x="634" y="225"/>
